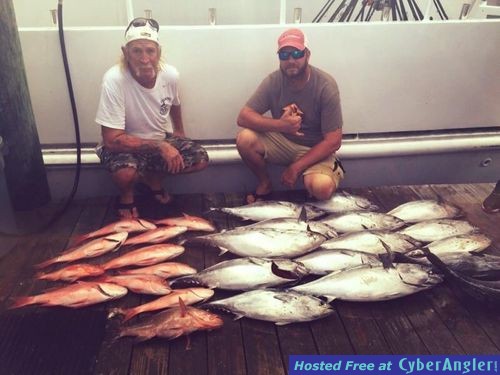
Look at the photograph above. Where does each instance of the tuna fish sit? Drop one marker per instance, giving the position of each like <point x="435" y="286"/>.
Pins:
<point x="246" y="274"/>
<point x="157" y="235"/>
<point x="421" y="210"/>
<point x="165" y="270"/>
<point x="278" y="306"/>
<point x="361" y="220"/>
<point x="434" y="230"/>
<point x="345" y="202"/>
<point x="72" y="272"/>
<point x="372" y="242"/>
<point x="190" y="222"/>
<point x="294" y="224"/>
<point x="125" y="225"/>
<point x="463" y="243"/>
<point x="75" y="295"/>
<point x="172" y="323"/>
<point x="90" y="249"/>
<point x="263" y="242"/>
<point x="190" y="296"/>
<point x="145" y="256"/>
<point x="263" y="210"/>
<point x="372" y="283"/>
<point x="323" y="261"/>
<point x="142" y="284"/>
<point x="487" y="292"/>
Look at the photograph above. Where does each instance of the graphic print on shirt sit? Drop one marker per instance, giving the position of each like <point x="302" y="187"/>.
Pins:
<point x="164" y="105"/>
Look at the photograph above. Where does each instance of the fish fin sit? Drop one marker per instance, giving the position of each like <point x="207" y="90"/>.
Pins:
<point x="387" y="259"/>
<point x="282" y="273"/>
<point x="183" y="307"/>
<point x="365" y="227"/>
<point x="45" y="263"/>
<point x="282" y="323"/>
<point x="330" y="299"/>
<point x="188" y="342"/>
<point x="222" y="250"/>
<point x="79" y="239"/>
<point x="238" y="316"/>
<point x="303" y="215"/>
<point x="21" y="302"/>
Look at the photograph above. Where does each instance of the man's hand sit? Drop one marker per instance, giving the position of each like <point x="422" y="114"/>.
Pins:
<point x="289" y="176"/>
<point x="292" y="120"/>
<point x="173" y="158"/>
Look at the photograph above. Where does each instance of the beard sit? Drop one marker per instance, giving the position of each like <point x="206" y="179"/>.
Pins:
<point x="294" y="72"/>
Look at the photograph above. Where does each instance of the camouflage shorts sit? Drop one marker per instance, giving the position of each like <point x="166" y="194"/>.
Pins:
<point x="192" y="153"/>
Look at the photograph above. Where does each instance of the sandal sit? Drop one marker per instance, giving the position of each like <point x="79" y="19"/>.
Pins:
<point x="126" y="210"/>
<point x="159" y="194"/>
<point x="255" y="197"/>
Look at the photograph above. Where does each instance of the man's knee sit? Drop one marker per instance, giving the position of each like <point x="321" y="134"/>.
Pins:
<point x="125" y="176"/>
<point x="246" y="139"/>
<point x="321" y="187"/>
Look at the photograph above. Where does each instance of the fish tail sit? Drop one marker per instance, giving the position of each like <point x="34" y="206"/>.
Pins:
<point x="185" y="281"/>
<point x="129" y="314"/>
<point x="21" y="301"/>
<point x="42" y="276"/>
<point x="79" y="239"/>
<point x="45" y="264"/>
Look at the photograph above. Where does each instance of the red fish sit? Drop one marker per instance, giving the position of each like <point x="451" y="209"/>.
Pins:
<point x="173" y="323"/>
<point x="190" y="222"/>
<point x="190" y="296"/>
<point x="142" y="284"/>
<point x="156" y="235"/>
<point x="75" y="295"/>
<point x="165" y="270"/>
<point x="125" y="225"/>
<point x="72" y="272"/>
<point x="145" y="256"/>
<point x="91" y="249"/>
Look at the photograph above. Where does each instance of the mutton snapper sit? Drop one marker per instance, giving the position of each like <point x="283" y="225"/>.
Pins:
<point x="372" y="282"/>
<point x="434" y="230"/>
<point x="372" y="241"/>
<point x="190" y="222"/>
<point x="426" y="209"/>
<point x="246" y="274"/>
<point x="263" y="210"/>
<point x="262" y="242"/>
<point x="90" y="249"/>
<point x="278" y="306"/>
<point x="145" y="256"/>
<point x="173" y="323"/>
<point x="124" y="225"/>
<point x="74" y="295"/>
<point x="323" y="261"/>
<point x="344" y="202"/>
<point x="362" y="220"/>
<point x="72" y="272"/>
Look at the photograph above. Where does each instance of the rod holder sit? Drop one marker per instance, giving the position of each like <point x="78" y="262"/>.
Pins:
<point x="148" y="13"/>
<point x="212" y="16"/>
<point x="297" y="15"/>
<point x="53" y="15"/>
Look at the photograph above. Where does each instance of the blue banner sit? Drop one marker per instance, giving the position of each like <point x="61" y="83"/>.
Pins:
<point x="394" y="364"/>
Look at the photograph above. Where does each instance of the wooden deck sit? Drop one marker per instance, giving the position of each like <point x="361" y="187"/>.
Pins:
<point x="38" y="340"/>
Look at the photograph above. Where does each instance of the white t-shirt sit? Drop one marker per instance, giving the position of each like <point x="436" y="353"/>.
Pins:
<point x="143" y="112"/>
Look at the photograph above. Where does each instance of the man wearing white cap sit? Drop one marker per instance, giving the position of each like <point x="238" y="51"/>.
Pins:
<point x="139" y="113"/>
<point x="305" y="127"/>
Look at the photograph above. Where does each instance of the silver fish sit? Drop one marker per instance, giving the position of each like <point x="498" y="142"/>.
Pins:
<point x="345" y="202"/>
<point x="372" y="241"/>
<point x="262" y="242"/>
<point x="323" y="261"/>
<point x="434" y="230"/>
<point x="246" y="274"/>
<point x="361" y="220"/>
<point x="427" y="209"/>
<point x="264" y="210"/>
<point x="294" y="224"/>
<point x="463" y="243"/>
<point x="372" y="283"/>
<point x="280" y="307"/>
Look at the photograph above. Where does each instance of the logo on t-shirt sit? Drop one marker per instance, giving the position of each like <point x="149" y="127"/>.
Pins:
<point x="164" y="105"/>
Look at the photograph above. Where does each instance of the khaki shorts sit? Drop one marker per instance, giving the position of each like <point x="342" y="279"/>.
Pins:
<point x="282" y="151"/>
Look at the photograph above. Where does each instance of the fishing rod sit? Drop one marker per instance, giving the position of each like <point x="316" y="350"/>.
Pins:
<point x="375" y="6"/>
<point x="440" y="9"/>
<point x="323" y="11"/>
<point x="403" y="11"/>
<point x="337" y="11"/>
<point x="361" y="13"/>
<point x="412" y="9"/>
<point x="346" y="15"/>
<point x="417" y="9"/>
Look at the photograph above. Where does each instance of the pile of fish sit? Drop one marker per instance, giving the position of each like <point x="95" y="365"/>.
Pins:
<point x="138" y="268"/>
<point x="284" y="268"/>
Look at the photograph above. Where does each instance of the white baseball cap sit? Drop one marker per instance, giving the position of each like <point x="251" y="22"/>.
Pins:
<point x="142" y="28"/>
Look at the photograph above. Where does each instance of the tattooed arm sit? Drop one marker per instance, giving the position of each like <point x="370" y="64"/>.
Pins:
<point x="116" y="140"/>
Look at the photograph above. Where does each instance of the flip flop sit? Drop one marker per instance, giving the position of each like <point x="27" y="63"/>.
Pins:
<point x="130" y="208"/>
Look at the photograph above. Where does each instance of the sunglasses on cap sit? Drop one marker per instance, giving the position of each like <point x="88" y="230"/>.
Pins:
<point x="296" y="54"/>
<point x="141" y="21"/>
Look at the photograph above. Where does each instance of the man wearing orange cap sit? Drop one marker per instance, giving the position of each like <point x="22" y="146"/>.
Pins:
<point x="139" y="113"/>
<point x="305" y="127"/>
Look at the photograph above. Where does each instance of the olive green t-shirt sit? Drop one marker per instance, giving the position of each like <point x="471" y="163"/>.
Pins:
<point x="319" y="99"/>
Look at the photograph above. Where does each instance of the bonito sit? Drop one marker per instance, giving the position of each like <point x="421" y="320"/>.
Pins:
<point x="278" y="306"/>
<point x="434" y="230"/>
<point x="263" y="210"/>
<point x="421" y="210"/>
<point x="372" y="282"/>
<point x="246" y="274"/>
<point x="361" y="220"/>
<point x="345" y="202"/>
<point x="323" y="261"/>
